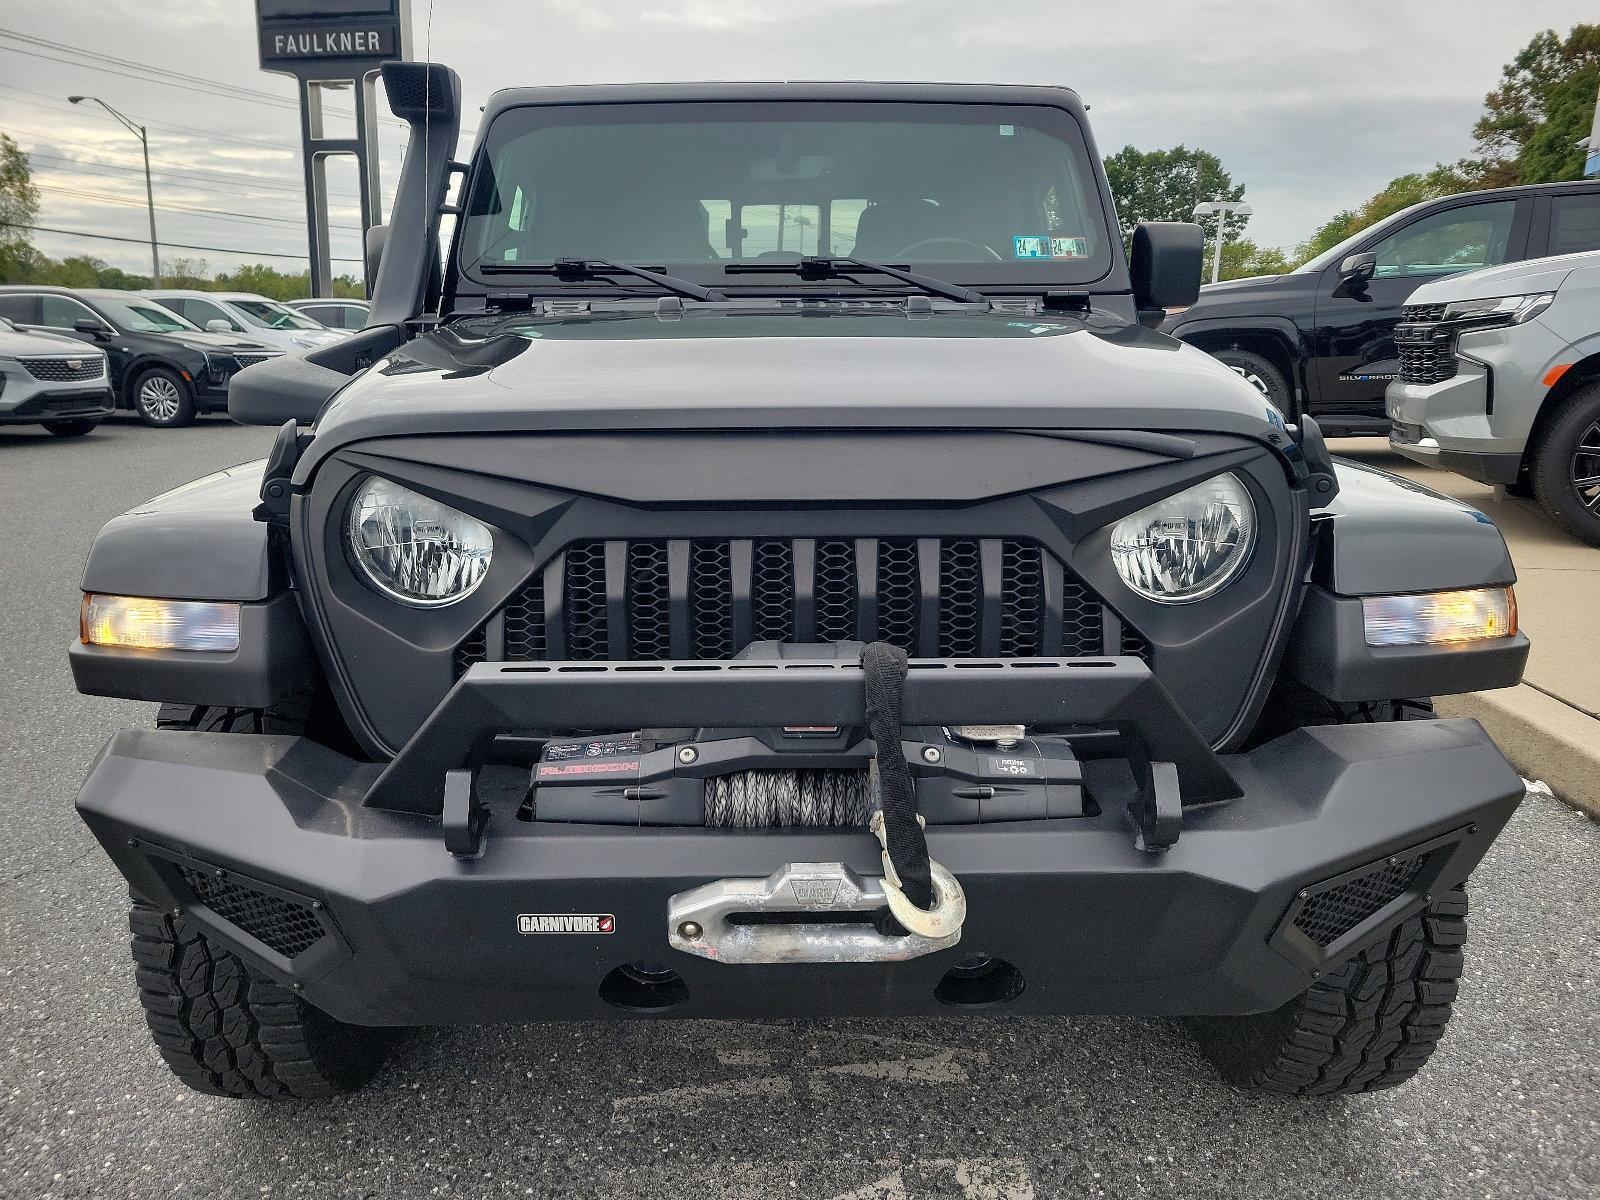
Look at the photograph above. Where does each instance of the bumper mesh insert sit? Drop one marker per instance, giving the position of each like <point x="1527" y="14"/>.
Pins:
<point x="281" y="925"/>
<point x="1327" y="916"/>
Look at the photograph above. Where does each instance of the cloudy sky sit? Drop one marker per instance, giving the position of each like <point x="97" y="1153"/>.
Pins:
<point x="1312" y="107"/>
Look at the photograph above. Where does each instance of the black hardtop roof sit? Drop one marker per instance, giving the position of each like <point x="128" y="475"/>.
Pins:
<point x="681" y="93"/>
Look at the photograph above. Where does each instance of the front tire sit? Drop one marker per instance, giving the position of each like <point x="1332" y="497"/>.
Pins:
<point x="1369" y="1024"/>
<point x="163" y="399"/>
<point x="225" y="1030"/>
<point x="1259" y="374"/>
<point x="1566" y="465"/>
<point x="74" y="428"/>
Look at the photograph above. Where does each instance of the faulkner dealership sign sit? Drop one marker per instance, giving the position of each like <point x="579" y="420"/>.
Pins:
<point x="300" y="33"/>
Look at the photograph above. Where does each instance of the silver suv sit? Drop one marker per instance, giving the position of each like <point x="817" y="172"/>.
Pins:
<point x="53" y="381"/>
<point x="1500" y="380"/>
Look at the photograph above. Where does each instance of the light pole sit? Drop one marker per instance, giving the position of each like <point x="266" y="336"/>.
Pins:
<point x="149" y="194"/>
<point x="1222" y="210"/>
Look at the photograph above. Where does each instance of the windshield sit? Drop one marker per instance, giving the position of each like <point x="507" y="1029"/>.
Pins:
<point x="142" y="316"/>
<point x="979" y="194"/>
<point x="266" y="314"/>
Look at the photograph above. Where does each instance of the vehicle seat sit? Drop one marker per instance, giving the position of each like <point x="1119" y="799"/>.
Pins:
<point x="888" y="226"/>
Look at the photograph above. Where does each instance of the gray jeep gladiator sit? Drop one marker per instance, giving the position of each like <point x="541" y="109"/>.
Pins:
<point x="769" y="565"/>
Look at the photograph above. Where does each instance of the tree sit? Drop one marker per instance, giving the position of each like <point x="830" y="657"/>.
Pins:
<point x="1165" y="185"/>
<point x="1243" y="259"/>
<point x="1401" y="192"/>
<point x="19" y="209"/>
<point x="1543" y="106"/>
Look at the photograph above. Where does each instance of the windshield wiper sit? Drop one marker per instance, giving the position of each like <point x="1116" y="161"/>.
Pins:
<point x="834" y="268"/>
<point x="599" y="268"/>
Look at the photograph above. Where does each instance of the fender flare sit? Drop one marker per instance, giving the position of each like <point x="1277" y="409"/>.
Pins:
<point x="1283" y="327"/>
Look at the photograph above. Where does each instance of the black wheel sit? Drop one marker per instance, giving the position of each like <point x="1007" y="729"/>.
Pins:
<point x="1259" y="374"/>
<point x="1566" y="465"/>
<point x="227" y="1031"/>
<point x="162" y="398"/>
<point x="1370" y="1024"/>
<point x="74" y="428"/>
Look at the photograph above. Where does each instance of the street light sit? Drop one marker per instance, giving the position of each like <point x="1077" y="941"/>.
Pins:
<point x="149" y="194"/>
<point x="1222" y="210"/>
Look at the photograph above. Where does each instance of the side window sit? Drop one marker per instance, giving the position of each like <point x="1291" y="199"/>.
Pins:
<point x="62" y="312"/>
<point x="1458" y="239"/>
<point x="326" y="314"/>
<point x="201" y="311"/>
<point x="1575" y="223"/>
<point x="779" y="230"/>
<point x="16" y="308"/>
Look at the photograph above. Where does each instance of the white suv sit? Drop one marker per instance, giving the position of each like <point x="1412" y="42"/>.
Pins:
<point x="262" y="319"/>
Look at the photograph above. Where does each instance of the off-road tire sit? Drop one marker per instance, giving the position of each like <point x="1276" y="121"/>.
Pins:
<point x="1575" y="422"/>
<point x="227" y="1031"/>
<point x="1371" y="1023"/>
<point x="1252" y="367"/>
<point x="290" y="716"/>
<point x="176" y="407"/>
<point x="74" y="428"/>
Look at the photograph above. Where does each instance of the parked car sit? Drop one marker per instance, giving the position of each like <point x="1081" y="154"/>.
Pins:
<point x="1500" y="380"/>
<point x="161" y="366"/>
<point x="335" y="314"/>
<point x="1320" y="340"/>
<point x="52" y="381"/>
<point x="256" y="317"/>
<point x="603" y="646"/>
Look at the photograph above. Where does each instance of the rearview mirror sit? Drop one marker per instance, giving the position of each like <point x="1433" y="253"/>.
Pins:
<point x="1166" y="263"/>
<point x="90" y="326"/>
<point x="1358" y="268"/>
<point x="218" y="325"/>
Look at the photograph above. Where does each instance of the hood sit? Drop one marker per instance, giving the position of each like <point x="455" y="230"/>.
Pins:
<point x="790" y="367"/>
<point x="201" y="340"/>
<point x="1224" y="287"/>
<point x="35" y="342"/>
<point x="1512" y="279"/>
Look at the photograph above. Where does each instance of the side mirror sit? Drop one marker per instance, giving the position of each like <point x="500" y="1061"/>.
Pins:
<point x="1166" y="264"/>
<point x="94" y="328"/>
<point x="1358" y="268"/>
<point x="218" y="325"/>
<point x="377" y="237"/>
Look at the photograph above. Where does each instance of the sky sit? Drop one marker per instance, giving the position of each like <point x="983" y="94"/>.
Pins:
<point x="1313" y="107"/>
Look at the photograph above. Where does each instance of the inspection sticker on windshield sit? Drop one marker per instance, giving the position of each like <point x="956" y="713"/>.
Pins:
<point x="1028" y="246"/>
<point x="1069" y="247"/>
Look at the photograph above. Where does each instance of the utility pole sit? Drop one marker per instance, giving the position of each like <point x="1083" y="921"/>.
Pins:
<point x="149" y="192"/>
<point x="1221" y="209"/>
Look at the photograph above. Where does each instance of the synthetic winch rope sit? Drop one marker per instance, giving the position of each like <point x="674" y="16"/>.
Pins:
<point x="884" y="667"/>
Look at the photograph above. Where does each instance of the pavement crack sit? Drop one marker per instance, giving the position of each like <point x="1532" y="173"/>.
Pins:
<point x="55" y="870"/>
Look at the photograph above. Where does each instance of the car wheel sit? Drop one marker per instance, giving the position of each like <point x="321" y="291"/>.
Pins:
<point x="1259" y="374"/>
<point x="1566" y="465"/>
<point x="163" y="399"/>
<point x="75" y="428"/>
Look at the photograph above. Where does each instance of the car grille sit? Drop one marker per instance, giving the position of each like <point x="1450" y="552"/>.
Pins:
<point x="65" y="370"/>
<point x="708" y="599"/>
<point x="250" y="360"/>
<point x="1427" y="349"/>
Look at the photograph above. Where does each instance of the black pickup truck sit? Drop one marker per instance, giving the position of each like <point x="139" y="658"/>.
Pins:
<point x="773" y="571"/>
<point x="1320" y="340"/>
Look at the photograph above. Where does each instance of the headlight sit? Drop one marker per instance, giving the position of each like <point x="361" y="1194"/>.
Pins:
<point x="414" y="549"/>
<point x="1189" y="545"/>
<point x="1440" y="618"/>
<point x="1499" y="310"/>
<point x="138" y="623"/>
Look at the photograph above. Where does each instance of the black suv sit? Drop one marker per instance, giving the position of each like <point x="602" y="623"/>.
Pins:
<point x="1320" y="339"/>
<point x="771" y="572"/>
<point x="162" y="367"/>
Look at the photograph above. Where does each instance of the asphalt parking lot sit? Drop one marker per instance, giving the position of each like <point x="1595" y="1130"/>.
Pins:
<point x="1510" y="1106"/>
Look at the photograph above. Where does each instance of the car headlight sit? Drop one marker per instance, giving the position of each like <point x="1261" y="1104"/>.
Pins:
<point x="1189" y="545"/>
<point x="413" y="548"/>
<point x="1499" y="310"/>
<point x="1440" y="618"/>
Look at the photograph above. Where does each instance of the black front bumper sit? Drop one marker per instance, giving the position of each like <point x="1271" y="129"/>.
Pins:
<point x="389" y="928"/>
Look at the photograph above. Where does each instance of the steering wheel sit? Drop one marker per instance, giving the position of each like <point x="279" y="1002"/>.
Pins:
<point x="906" y="251"/>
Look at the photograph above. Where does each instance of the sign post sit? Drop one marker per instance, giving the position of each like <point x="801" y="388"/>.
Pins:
<point x="333" y="45"/>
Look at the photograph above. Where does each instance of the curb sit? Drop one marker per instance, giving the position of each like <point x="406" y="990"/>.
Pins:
<point x="1543" y="737"/>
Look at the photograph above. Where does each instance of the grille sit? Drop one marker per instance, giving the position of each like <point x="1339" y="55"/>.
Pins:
<point x="250" y="360"/>
<point x="1327" y="916"/>
<point x="65" y="370"/>
<point x="1427" y="349"/>
<point x="708" y="599"/>
<point x="281" y="925"/>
